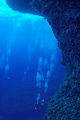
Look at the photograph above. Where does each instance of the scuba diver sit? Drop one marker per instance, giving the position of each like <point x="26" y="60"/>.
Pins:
<point x="39" y="105"/>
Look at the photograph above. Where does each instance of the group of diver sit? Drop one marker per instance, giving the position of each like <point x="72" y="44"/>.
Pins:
<point x="42" y="80"/>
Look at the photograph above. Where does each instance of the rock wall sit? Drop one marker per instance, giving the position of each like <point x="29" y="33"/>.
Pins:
<point x="64" y="18"/>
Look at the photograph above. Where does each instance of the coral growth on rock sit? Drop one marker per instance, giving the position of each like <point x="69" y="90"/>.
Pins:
<point x="65" y="105"/>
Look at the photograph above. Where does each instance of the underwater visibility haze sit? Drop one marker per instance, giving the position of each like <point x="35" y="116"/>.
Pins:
<point x="30" y="68"/>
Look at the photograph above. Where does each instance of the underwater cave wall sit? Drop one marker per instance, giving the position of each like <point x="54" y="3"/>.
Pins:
<point x="64" y="18"/>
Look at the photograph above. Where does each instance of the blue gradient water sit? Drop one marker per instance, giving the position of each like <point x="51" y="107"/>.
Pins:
<point x="30" y="66"/>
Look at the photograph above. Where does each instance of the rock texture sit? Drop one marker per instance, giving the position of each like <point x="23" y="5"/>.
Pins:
<point x="64" y="18"/>
<point x="65" y="105"/>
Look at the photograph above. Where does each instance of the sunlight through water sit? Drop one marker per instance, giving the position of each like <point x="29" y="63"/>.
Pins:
<point x="28" y="46"/>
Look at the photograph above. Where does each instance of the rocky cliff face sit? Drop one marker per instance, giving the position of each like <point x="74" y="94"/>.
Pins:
<point x="64" y="18"/>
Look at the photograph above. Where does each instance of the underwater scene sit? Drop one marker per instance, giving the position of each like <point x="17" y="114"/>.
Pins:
<point x="30" y="65"/>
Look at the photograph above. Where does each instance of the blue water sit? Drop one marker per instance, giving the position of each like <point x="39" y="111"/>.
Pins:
<point x="30" y="66"/>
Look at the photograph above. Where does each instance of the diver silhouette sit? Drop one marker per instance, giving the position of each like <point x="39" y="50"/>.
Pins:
<point x="39" y="105"/>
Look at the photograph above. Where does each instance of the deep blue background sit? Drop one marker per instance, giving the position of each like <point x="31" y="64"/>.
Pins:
<point x="17" y="93"/>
